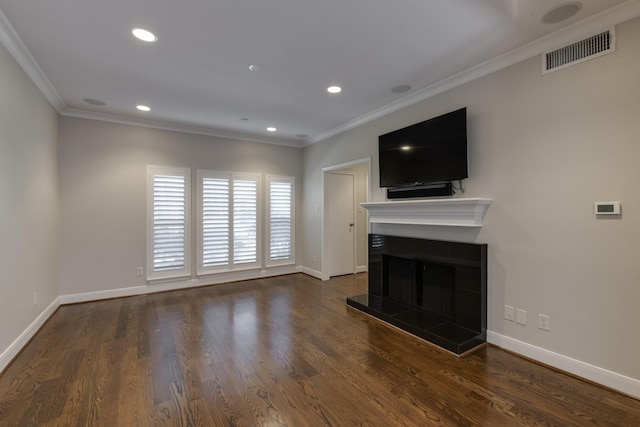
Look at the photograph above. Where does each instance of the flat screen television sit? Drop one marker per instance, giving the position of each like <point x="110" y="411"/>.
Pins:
<point x="428" y="152"/>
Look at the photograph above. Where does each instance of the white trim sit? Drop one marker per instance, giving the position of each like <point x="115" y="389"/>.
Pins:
<point x="454" y="212"/>
<point x="10" y="39"/>
<point x="267" y="216"/>
<point x="16" y="346"/>
<point x="312" y="273"/>
<point x="361" y="269"/>
<point x="599" y="375"/>
<point x="152" y="172"/>
<point x="347" y="165"/>
<point x="201" y="175"/>
<point x="177" y="127"/>
<point x="610" y="17"/>
<point x="184" y="284"/>
<point x="324" y="249"/>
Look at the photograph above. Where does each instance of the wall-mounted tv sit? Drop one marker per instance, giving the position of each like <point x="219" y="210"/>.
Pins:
<point x="431" y="151"/>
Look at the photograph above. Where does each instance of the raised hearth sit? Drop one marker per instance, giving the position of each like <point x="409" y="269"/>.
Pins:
<point x="434" y="289"/>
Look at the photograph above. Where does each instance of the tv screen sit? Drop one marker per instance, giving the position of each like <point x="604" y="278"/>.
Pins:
<point x="431" y="151"/>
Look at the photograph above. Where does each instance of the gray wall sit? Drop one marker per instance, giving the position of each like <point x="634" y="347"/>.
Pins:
<point x="544" y="148"/>
<point x="29" y="201"/>
<point x="103" y="192"/>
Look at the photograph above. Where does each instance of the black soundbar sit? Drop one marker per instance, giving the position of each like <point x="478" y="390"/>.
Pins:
<point x="432" y="190"/>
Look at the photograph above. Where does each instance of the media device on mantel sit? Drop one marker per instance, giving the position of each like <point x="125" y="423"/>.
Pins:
<point x="423" y="159"/>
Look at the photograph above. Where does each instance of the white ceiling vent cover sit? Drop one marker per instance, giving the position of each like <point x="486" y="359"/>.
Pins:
<point x="578" y="52"/>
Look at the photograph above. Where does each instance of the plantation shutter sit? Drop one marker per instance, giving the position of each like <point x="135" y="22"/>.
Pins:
<point x="228" y="222"/>
<point x="245" y="220"/>
<point x="168" y="234"/>
<point x="280" y="219"/>
<point x="215" y="222"/>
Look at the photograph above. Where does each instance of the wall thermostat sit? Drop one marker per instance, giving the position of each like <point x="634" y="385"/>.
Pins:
<point x="607" y="208"/>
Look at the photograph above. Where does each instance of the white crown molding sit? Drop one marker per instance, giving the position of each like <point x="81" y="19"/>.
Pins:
<point x="613" y="16"/>
<point x="15" y="46"/>
<point x="176" y="127"/>
<point x="614" y="380"/>
<point x="569" y="34"/>
<point x="9" y="38"/>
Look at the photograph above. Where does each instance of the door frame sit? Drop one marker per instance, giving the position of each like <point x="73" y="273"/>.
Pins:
<point x="326" y="244"/>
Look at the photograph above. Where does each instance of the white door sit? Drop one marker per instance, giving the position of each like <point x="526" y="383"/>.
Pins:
<point x="340" y="191"/>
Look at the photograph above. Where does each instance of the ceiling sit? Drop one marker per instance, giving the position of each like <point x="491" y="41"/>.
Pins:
<point x="196" y="77"/>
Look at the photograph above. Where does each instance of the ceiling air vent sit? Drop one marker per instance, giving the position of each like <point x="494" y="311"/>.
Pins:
<point x="581" y="51"/>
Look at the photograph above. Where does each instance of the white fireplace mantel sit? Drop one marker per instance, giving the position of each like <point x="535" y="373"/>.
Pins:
<point x="456" y="212"/>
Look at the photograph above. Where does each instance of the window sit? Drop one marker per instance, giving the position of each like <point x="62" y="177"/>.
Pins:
<point x="229" y="218"/>
<point x="281" y="220"/>
<point x="245" y="220"/>
<point x="168" y="229"/>
<point x="228" y="221"/>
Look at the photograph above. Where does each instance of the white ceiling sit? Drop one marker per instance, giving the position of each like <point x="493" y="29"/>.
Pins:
<point x="197" y="77"/>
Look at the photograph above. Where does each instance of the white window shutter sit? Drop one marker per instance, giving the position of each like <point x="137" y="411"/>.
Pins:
<point x="245" y="220"/>
<point x="228" y="222"/>
<point x="169" y="225"/>
<point x="281" y="220"/>
<point x="215" y="222"/>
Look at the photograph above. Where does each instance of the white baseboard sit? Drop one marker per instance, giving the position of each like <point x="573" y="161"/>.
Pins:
<point x="593" y="373"/>
<point x="182" y="284"/>
<point x="312" y="273"/>
<point x="319" y="275"/>
<point x="602" y="376"/>
<point x="361" y="269"/>
<point x="7" y="356"/>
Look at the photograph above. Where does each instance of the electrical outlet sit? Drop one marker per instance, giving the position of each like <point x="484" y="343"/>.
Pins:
<point x="35" y="299"/>
<point x="508" y="312"/>
<point x="521" y="316"/>
<point x="544" y="322"/>
<point x="139" y="271"/>
<point x="315" y="258"/>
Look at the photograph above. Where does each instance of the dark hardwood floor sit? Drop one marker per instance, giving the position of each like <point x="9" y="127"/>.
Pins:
<point x="276" y="352"/>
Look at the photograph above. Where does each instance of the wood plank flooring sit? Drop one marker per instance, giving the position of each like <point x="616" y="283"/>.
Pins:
<point x="283" y="351"/>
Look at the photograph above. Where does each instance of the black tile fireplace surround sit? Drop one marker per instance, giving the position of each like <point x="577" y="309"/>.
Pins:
<point x="433" y="289"/>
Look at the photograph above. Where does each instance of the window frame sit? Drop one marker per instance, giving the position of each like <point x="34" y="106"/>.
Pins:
<point x="291" y="260"/>
<point x="152" y="172"/>
<point x="231" y="265"/>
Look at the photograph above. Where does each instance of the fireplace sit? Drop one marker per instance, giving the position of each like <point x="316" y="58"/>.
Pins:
<point x="433" y="289"/>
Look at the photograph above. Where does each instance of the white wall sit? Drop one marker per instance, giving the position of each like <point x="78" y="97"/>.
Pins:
<point x="29" y="219"/>
<point x="103" y="192"/>
<point x="544" y="148"/>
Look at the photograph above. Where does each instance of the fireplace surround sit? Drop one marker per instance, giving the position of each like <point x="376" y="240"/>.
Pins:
<point x="436" y="290"/>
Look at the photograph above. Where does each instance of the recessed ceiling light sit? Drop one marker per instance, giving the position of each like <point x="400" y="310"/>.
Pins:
<point x="271" y="129"/>
<point x="94" y="102"/>
<point x="405" y="148"/>
<point x="143" y="108"/>
<point x="245" y="119"/>
<point x="144" y="35"/>
<point x="561" y="13"/>
<point x="255" y="67"/>
<point x="334" y="89"/>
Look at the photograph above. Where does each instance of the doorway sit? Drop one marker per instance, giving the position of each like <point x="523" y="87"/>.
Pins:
<point x="341" y="220"/>
<point x="345" y="222"/>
